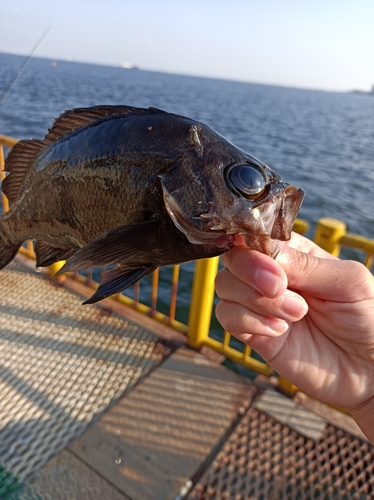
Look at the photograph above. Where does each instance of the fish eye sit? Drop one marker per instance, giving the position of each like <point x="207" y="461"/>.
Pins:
<point x="249" y="180"/>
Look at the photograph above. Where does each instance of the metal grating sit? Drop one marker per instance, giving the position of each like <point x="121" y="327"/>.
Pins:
<point x="264" y="459"/>
<point x="62" y="364"/>
<point x="66" y="477"/>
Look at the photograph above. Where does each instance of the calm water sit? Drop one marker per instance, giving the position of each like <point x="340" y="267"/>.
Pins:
<point x="320" y="141"/>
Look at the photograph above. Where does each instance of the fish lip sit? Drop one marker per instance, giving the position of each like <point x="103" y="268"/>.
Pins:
<point x="292" y="198"/>
<point x="269" y="240"/>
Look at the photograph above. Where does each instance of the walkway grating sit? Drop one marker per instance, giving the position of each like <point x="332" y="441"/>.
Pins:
<point x="61" y="366"/>
<point x="266" y="459"/>
<point x="158" y="436"/>
<point x="189" y="428"/>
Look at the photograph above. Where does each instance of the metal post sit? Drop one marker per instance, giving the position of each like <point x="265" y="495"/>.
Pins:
<point x="202" y="301"/>
<point x="53" y="268"/>
<point x="5" y="202"/>
<point x="287" y="386"/>
<point x="329" y="233"/>
<point x="301" y="226"/>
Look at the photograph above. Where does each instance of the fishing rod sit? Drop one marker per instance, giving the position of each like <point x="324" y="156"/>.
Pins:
<point x="39" y="41"/>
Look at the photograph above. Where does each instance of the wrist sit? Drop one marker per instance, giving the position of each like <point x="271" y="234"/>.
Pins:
<point x="364" y="417"/>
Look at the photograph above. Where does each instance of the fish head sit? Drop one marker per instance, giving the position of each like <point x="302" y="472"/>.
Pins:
<point x="214" y="199"/>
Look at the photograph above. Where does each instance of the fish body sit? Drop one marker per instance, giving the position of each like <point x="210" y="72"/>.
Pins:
<point x="139" y="188"/>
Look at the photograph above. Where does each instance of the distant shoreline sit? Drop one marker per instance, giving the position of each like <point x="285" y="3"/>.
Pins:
<point x="363" y="92"/>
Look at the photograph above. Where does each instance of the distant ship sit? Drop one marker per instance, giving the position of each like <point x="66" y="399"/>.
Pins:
<point x="129" y="65"/>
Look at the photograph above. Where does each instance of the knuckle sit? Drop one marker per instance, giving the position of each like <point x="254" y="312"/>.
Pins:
<point x="363" y="279"/>
<point x="223" y="314"/>
<point x="302" y="266"/>
<point x="232" y="316"/>
<point x="221" y="282"/>
<point x="218" y="280"/>
<point x="307" y="264"/>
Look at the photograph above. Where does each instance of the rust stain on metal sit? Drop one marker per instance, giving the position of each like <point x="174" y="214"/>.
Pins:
<point x="265" y="459"/>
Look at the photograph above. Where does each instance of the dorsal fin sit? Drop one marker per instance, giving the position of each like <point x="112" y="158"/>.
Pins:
<point x="24" y="153"/>
<point x="18" y="163"/>
<point x="75" y="118"/>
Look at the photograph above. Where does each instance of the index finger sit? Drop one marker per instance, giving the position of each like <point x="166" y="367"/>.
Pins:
<point x="257" y="270"/>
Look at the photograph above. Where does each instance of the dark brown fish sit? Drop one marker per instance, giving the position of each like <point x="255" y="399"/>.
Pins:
<point x="139" y="188"/>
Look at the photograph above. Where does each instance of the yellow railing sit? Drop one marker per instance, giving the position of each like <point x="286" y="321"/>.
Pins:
<point x="330" y="234"/>
<point x="148" y="310"/>
<point x="9" y="142"/>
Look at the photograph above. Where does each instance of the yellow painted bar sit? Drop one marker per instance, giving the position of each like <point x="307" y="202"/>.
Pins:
<point x="202" y="301"/>
<point x="360" y="243"/>
<point x="138" y="306"/>
<point x="329" y="233"/>
<point x="28" y="250"/>
<point x="136" y="292"/>
<point x="237" y="357"/>
<point x="301" y="226"/>
<point x="247" y="351"/>
<point x="158" y="316"/>
<point x="356" y="241"/>
<point x="53" y="268"/>
<point x="369" y="261"/>
<point x="8" y="141"/>
<point x="287" y="386"/>
<point x="155" y="276"/>
<point x="226" y="339"/>
<point x="2" y="177"/>
<point x="174" y="292"/>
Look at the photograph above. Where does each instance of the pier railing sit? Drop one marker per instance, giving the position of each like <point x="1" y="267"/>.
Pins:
<point x="330" y="234"/>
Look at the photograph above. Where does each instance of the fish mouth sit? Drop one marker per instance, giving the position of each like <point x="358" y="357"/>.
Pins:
<point x="270" y="224"/>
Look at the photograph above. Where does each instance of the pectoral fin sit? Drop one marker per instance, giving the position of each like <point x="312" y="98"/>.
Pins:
<point x="120" y="245"/>
<point x="118" y="279"/>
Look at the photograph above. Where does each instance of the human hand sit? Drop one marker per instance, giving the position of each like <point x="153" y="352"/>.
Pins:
<point x="310" y="316"/>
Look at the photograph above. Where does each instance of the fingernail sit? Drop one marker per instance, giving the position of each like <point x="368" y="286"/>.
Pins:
<point x="267" y="282"/>
<point x="277" y="325"/>
<point x="293" y="304"/>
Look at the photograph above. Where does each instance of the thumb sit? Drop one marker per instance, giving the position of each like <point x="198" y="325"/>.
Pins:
<point x="325" y="277"/>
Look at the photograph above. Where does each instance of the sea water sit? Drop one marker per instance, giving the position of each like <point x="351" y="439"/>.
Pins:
<point x="320" y="141"/>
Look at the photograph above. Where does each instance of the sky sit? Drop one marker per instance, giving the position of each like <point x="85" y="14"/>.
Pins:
<point x="320" y="44"/>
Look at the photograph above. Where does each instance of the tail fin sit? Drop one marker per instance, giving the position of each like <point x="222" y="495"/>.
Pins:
<point x="7" y="250"/>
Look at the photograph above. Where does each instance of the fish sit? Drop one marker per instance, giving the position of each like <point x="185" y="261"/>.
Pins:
<point x="131" y="189"/>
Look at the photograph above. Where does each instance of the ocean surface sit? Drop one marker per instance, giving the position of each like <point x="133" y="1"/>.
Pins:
<point x="320" y="141"/>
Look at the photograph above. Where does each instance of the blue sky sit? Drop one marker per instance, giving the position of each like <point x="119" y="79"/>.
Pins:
<point x="324" y="44"/>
